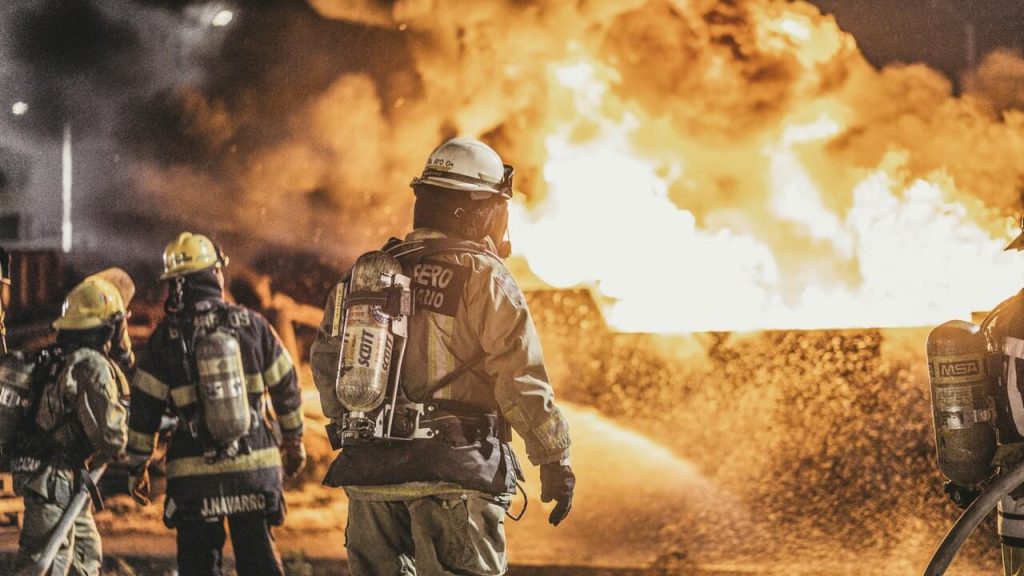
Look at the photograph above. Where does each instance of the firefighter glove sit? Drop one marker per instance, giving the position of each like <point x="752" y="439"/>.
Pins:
<point x="138" y="485"/>
<point x="293" y="456"/>
<point x="557" y="483"/>
<point x="960" y="495"/>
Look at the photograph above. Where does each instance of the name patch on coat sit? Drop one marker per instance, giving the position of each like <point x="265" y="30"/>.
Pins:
<point x="438" y="286"/>
<point x="235" y="504"/>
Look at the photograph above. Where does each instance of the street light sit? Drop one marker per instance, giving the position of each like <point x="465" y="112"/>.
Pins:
<point x="19" y="108"/>
<point x="222" y="18"/>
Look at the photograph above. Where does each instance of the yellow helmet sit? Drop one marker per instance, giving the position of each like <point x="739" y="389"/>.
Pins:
<point x="93" y="303"/>
<point x="190" y="253"/>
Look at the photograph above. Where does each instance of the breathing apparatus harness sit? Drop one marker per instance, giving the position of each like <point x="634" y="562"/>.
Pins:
<point x="399" y="418"/>
<point x="402" y="418"/>
<point x="26" y="445"/>
<point x="196" y="417"/>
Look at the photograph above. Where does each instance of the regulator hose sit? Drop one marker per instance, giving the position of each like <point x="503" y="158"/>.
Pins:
<point x="972" y="517"/>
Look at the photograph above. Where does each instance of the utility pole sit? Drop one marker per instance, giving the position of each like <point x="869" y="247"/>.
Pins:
<point x="970" y="30"/>
<point x="66" y="174"/>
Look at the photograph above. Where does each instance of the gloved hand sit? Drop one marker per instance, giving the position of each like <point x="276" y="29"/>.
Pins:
<point x="557" y="483"/>
<point x="960" y="495"/>
<point x="293" y="456"/>
<point x="138" y="485"/>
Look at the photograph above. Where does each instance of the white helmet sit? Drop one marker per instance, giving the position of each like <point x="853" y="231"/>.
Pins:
<point x="467" y="165"/>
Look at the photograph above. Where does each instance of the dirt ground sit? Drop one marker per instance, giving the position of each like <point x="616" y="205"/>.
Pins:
<point x="778" y="453"/>
<point x="629" y="490"/>
<point x="632" y="492"/>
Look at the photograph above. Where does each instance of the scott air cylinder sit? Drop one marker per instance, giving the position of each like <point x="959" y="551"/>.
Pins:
<point x="223" y="397"/>
<point x="962" y="415"/>
<point x="367" y="343"/>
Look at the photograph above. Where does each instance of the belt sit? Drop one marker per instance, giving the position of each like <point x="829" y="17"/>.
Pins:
<point x="456" y="423"/>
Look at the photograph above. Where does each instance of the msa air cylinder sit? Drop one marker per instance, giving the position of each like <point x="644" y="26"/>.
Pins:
<point x="223" y="397"/>
<point x="965" y="439"/>
<point x="367" y="343"/>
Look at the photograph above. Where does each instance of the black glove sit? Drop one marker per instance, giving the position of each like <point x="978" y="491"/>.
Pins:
<point x="293" y="456"/>
<point x="960" y="495"/>
<point x="557" y="483"/>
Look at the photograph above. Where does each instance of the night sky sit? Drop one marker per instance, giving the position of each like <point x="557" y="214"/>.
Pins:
<point x="931" y="31"/>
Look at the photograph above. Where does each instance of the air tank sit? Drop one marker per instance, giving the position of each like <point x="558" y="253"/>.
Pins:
<point x="223" y="397"/>
<point x="367" y="343"/>
<point x="961" y="392"/>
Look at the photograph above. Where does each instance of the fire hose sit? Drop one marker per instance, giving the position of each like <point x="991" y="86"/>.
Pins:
<point x="972" y="518"/>
<point x="60" y="532"/>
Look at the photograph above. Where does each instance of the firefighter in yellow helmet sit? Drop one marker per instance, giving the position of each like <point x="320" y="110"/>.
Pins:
<point x="472" y="365"/>
<point x="219" y="368"/>
<point x="78" y="424"/>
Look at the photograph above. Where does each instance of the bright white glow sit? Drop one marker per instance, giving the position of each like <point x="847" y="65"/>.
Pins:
<point x="65" y="226"/>
<point x="795" y="196"/>
<point x="796" y="28"/>
<point x="19" y="108"/>
<point x="222" y="18"/>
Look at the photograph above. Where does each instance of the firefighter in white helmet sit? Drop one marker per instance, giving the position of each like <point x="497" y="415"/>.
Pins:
<point x="472" y="365"/>
<point x="76" y="422"/>
<point x="214" y="365"/>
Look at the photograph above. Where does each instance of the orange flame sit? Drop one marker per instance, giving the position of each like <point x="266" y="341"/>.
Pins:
<point x="897" y="252"/>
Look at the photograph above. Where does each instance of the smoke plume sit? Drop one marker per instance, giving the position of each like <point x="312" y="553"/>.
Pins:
<point x="301" y="126"/>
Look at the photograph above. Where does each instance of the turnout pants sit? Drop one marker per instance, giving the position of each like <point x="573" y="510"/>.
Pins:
<point x="1011" y="534"/>
<point x="201" y="547"/>
<point x="460" y="534"/>
<point x="81" y="554"/>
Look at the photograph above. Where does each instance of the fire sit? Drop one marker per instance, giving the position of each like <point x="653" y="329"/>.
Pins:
<point x="877" y="249"/>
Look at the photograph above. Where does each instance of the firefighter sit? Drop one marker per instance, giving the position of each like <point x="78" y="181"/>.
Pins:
<point x="79" y="422"/>
<point x="213" y="365"/>
<point x="1003" y="331"/>
<point x="473" y="361"/>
